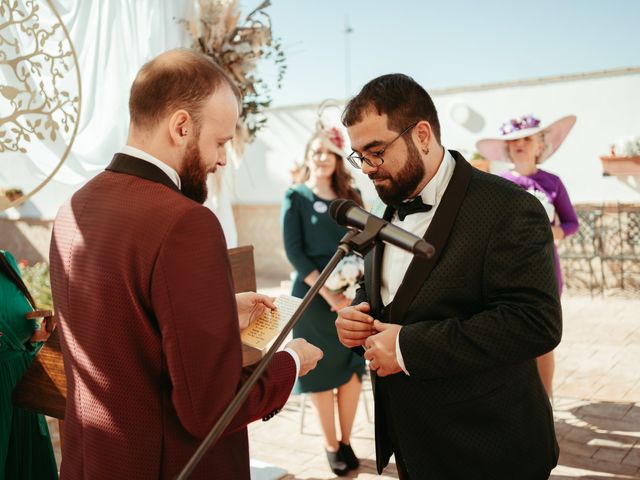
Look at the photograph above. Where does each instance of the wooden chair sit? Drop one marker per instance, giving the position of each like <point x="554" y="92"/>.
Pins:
<point x="43" y="387"/>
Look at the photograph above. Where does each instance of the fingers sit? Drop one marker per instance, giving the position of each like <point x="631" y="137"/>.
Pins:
<point x="370" y="342"/>
<point x="312" y="357"/>
<point x="251" y="299"/>
<point x="353" y="315"/>
<point x="362" y="307"/>
<point x="267" y="301"/>
<point x="380" y="326"/>
<point x="308" y="354"/>
<point x="262" y="301"/>
<point x="352" y="334"/>
<point x="375" y="365"/>
<point x="354" y="325"/>
<point x="368" y="354"/>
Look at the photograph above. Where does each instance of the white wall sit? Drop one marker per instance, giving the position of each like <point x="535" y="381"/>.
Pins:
<point x="607" y="107"/>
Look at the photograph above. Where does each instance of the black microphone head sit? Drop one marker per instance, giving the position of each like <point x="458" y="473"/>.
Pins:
<point x="424" y="249"/>
<point x="338" y="210"/>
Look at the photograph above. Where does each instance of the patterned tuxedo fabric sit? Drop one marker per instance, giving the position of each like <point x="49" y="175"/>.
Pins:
<point x="143" y="289"/>
<point x="475" y="317"/>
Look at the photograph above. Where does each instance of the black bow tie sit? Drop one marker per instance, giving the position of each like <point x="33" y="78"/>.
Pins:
<point x="414" y="206"/>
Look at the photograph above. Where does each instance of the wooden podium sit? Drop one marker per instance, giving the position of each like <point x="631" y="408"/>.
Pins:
<point x="43" y="387"/>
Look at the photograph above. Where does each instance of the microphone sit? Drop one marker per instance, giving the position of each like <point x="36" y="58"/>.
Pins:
<point x="348" y="214"/>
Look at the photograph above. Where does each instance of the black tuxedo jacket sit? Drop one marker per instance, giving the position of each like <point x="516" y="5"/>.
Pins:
<point x="474" y="319"/>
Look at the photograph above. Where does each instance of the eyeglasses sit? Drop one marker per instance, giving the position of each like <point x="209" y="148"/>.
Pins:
<point x="376" y="157"/>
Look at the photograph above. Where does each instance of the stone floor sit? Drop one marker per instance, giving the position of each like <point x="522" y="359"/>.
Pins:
<point x="597" y="406"/>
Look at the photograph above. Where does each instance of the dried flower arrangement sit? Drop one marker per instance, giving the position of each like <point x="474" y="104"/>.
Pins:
<point x="237" y="46"/>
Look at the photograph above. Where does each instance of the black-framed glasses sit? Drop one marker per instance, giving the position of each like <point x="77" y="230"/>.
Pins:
<point x="375" y="158"/>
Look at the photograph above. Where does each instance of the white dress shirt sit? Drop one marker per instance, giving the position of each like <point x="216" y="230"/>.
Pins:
<point x="147" y="157"/>
<point x="395" y="261"/>
<point x="175" y="178"/>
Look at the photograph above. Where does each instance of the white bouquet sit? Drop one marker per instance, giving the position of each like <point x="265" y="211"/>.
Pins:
<point x="548" y="206"/>
<point x="345" y="277"/>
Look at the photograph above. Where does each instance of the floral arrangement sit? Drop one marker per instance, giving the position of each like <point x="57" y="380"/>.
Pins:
<point x="237" y="46"/>
<point x="522" y="123"/>
<point x="626" y="147"/>
<point x="344" y="279"/>
<point x="544" y="200"/>
<point x="336" y="137"/>
<point x="36" y="278"/>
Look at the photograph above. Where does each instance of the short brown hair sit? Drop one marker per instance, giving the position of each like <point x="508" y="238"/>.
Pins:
<point x="177" y="79"/>
<point x="400" y="97"/>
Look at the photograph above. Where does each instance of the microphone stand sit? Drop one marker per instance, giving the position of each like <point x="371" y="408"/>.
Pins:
<point x="360" y="242"/>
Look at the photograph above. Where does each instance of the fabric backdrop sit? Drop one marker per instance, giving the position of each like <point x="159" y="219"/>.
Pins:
<point x="112" y="39"/>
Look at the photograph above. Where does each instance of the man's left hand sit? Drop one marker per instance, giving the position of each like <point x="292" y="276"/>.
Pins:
<point x="251" y="305"/>
<point x="380" y="349"/>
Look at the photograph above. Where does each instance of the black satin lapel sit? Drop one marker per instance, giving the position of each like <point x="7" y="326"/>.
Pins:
<point x="437" y="235"/>
<point x="123" y="163"/>
<point x="373" y="271"/>
<point x="376" y="267"/>
<point x="368" y="279"/>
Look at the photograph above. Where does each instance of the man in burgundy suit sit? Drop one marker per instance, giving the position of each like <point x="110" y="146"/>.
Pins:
<point x="144" y="293"/>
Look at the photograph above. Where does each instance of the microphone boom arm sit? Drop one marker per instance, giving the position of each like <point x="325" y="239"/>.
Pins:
<point x="363" y="241"/>
<point x="216" y="431"/>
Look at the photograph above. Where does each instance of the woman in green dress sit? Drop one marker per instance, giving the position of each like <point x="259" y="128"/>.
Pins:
<point x="310" y="239"/>
<point x="25" y="445"/>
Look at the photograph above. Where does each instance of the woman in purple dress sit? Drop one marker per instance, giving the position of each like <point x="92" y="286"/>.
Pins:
<point x="526" y="144"/>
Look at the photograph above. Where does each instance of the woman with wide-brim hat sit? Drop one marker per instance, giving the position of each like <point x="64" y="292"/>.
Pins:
<point x="526" y="143"/>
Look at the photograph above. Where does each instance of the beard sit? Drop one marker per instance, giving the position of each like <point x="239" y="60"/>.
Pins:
<point x="406" y="180"/>
<point x="194" y="173"/>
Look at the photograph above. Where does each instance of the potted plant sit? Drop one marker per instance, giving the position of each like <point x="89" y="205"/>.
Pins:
<point x="624" y="158"/>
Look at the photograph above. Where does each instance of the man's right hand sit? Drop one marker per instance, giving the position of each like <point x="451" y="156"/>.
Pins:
<point x="354" y="325"/>
<point x="308" y="354"/>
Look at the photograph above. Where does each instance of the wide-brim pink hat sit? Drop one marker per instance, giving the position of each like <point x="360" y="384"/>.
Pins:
<point x="555" y="133"/>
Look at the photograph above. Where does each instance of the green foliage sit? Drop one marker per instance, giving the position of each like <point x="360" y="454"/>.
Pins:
<point x="36" y="278"/>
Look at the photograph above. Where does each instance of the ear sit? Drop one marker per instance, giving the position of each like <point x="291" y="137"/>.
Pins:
<point x="180" y="126"/>
<point x="424" y="134"/>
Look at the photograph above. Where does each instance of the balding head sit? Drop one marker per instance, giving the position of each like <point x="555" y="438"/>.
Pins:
<point x="175" y="80"/>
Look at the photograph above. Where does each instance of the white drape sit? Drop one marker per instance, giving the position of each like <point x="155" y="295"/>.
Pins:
<point x="113" y="39"/>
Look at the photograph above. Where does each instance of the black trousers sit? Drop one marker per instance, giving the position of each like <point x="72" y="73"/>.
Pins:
<point x="401" y="467"/>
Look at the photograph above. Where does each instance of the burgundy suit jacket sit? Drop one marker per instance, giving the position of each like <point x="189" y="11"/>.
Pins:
<point x="143" y="290"/>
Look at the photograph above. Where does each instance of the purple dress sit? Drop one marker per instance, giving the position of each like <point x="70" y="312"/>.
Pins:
<point x="551" y="192"/>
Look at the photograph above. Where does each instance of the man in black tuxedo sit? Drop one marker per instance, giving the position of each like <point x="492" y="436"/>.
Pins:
<point x="452" y="340"/>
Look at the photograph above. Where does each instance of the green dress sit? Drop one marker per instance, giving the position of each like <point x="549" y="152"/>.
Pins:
<point x="310" y="240"/>
<point x="25" y="445"/>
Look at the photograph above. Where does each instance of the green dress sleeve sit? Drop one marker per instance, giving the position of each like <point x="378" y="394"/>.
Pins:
<point x="16" y="329"/>
<point x="292" y="231"/>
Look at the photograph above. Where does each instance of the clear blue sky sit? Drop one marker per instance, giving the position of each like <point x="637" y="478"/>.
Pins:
<point x="446" y="43"/>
